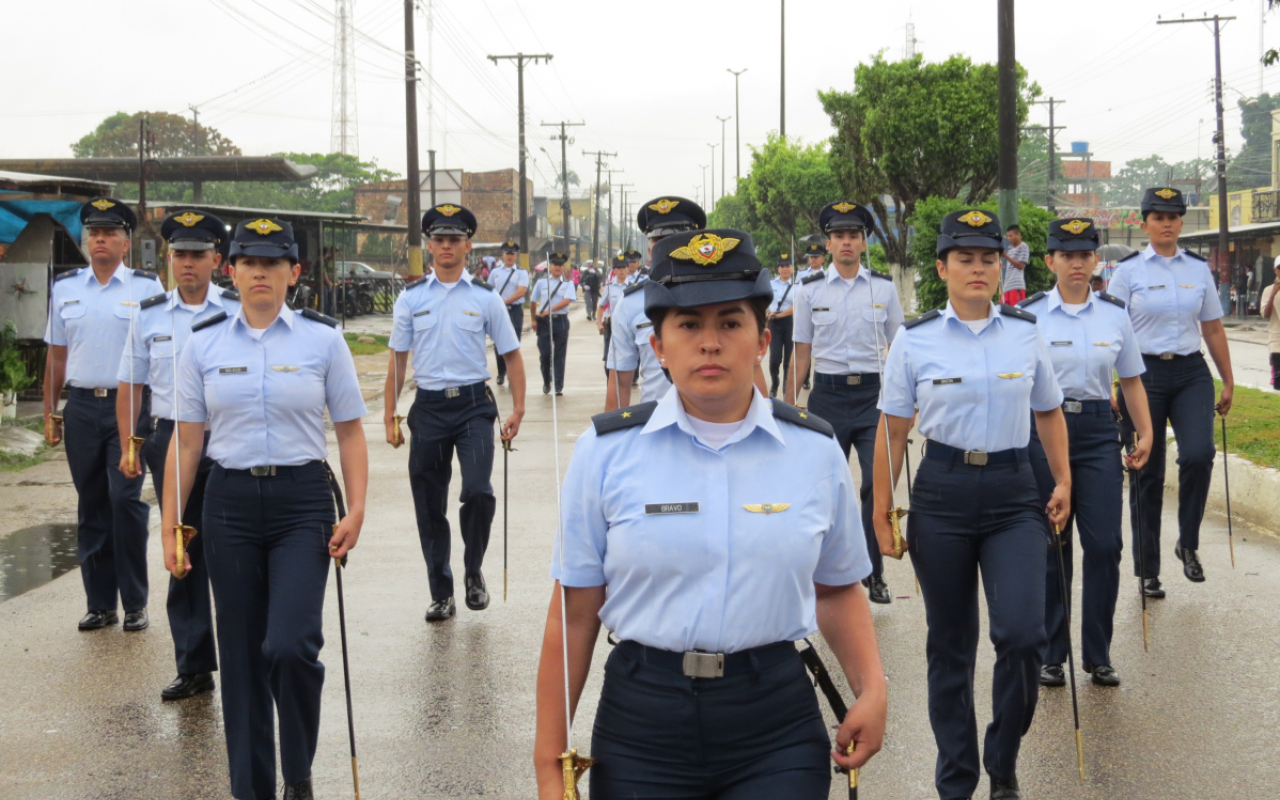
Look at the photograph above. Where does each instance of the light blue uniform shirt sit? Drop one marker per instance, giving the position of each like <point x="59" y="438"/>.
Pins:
<point x="506" y="280"/>
<point x="265" y="400"/>
<point x="847" y="322"/>
<point x="446" y="328"/>
<point x="720" y="579"/>
<point x="780" y="290"/>
<point x="975" y="391"/>
<point x="629" y="347"/>
<point x="1168" y="298"/>
<point x="1087" y="345"/>
<point x="559" y="289"/>
<point x="610" y="296"/>
<point x="92" y="322"/>
<point x="154" y="347"/>
<point x="806" y="272"/>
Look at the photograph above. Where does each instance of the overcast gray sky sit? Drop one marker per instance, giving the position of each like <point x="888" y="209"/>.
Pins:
<point x="648" y="80"/>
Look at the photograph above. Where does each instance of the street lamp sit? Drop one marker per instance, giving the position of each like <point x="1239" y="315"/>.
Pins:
<point x="737" y="128"/>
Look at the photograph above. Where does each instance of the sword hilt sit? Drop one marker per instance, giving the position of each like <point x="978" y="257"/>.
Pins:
<point x="182" y="536"/>
<point x="895" y="522"/>
<point x="134" y="447"/>
<point x="572" y="767"/>
<point x="399" y="434"/>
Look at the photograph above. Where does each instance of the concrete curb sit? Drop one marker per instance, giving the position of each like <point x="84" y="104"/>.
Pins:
<point x="1255" y="490"/>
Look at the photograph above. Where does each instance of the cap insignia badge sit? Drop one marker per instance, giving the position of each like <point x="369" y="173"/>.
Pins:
<point x="844" y="207"/>
<point x="705" y="249"/>
<point x="975" y="219"/>
<point x="189" y="218"/>
<point x="448" y="210"/>
<point x="1076" y="226"/>
<point x="1167" y="194"/>
<point x="664" y="206"/>
<point x="102" y="204"/>
<point x="264" y="227"/>
<point x="767" y="508"/>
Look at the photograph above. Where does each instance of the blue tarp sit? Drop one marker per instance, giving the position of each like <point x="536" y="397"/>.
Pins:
<point x="15" y="214"/>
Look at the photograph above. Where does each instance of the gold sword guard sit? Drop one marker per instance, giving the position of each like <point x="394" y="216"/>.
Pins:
<point x="895" y="520"/>
<point x="573" y="766"/>
<point x="182" y="536"/>
<point x="134" y="447"/>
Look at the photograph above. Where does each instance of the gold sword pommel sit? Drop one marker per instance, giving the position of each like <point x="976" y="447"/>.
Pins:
<point x="134" y="447"/>
<point x="573" y="766"/>
<point x="895" y="521"/>
<point x="182" y="536"/>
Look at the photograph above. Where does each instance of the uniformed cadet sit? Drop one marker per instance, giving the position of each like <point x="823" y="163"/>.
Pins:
<point x="709" y="568"/>
<point x="591" y="281"/>
<point x="816" y="256"/>
<point x="91" y="314"/>
<point x="630" y="349"/>
<point x="781" y="324"/>
<point x="197" y="241"/>
<point x="845" y="318"/>
<point x="635" y="274"/>
<point x="550" y="309"/>
<point x="1089" y="337"/>
<point x="614" y="286"/>
<point x="978" y="375"/>
<point x="262" y="380"/>
<point x="444" y="320"/>
<point x="512" y="284"/>
<point x="1174" y="306"/>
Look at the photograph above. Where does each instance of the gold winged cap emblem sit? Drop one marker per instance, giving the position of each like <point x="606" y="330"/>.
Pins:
<point x="767" y="508"/>
<point x="1076" y="226"/>
<point x="448" y="210"/>
<point x="1167" y="194"/>
<point x="664" y="206"/>
<point x="975" y="219"/>
<point x="705" y="249"/>
<point x="263" y="227"/>
<point x="844" y="207"/>
<point x="189" y="219"/>
<point x="102" y="204"/>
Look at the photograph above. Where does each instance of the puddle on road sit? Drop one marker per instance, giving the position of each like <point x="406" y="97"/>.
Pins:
<point x="34" y="556"/>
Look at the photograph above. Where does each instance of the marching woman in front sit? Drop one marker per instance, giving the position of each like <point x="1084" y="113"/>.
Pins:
<point x="262" y="380"/>
<point x="708" y="531"/>
<point x="978" y="374"/>
<point x="1089" y="337"/>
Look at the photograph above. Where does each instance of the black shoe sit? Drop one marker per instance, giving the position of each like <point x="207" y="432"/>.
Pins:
<point x="299" y="791"/>
<point x="1052" y="675"/>
<point x="477" y="594"/>
<point x="1151" y="588"/>
<point x="501" y="379"/>
<point x="806" y="385"/>
<point x="877" y="589"/>
<point x="559" y="392"/>
<point x="1103" y="674"/>
<point x="1190" y="564"/>
<point x="136" y="620"/>
<point x="773" y="391"/>
<point x="440" y="610"/>
<point x="185" y="686"/>
<point x="546" y="388"/>
<point x="98" y="619"/>
<point x="1005" y="790"/>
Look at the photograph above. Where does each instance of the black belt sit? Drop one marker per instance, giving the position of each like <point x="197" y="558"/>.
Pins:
<point x="1171" y="356"/>
<point x="273" y="472"/>
<point x="710" y="665"/>
<point x="470" y="390"/>
<point x="77" y="391"/>
<point x="974" y="458"/>
<point x="1086" y="406"/>
<point x="856" y="379"/>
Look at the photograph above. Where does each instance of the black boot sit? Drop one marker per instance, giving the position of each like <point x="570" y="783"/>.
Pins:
<point x="299" y="791"/>
<point x="1191" y="566"/>
<point x="1005" y="790"/>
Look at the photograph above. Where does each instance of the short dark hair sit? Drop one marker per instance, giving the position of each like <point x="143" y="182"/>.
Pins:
<point x="759" y="308"/>
<point x="1014" y="227"/>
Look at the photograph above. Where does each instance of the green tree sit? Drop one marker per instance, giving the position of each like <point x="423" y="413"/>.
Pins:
<point x="1033" y="167"/>
<point x="737" y="211"/>
<point x="931" y="292"/>
<point x="1126" y="186"/>
<point x="912" y="130"/>
<point x="789" y="184"/>
<point x="172" y="135"/>
<point x="1251" y="167"/>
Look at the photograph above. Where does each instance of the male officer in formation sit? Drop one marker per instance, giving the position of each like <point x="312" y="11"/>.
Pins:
<point x="781" y="323"/>
<point x="91" y="316"/>
<point x="196" y="244"/>
<point x="591" y="280"/>
<point x="550" y="309"/>
<point x="816" y="255"/>
<point x="635" y="272"/>
<point x="614" y="285"/>
<point x="846" y="317"/>
<point x="444" y="320"/>
<point x="512" y="284"/>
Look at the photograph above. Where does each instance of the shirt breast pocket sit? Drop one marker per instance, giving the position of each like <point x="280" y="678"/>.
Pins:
<point x="232" y="386"/>
<point x="875" y="314"/>
<point x="70" y="313"/>
<point x="161" y="349"/>
<point x="471" y="322"/>
<point x="123" y="311"/>
<point x="823" y="317"/>
<point x="425" y="322"/>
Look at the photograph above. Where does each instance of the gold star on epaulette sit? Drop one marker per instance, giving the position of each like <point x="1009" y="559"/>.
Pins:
<point x="626" y="414"/>
<point x="664" y="206"/>
<point x="803" y="415"/>
<point x="975" y="219"/>
<point x="705" y="249"/>
<point x="263" y="227"/>
<point x="1076" y="226"/>
<point x="102" y="204"/>
<point x="844" y="207"/>
<point x="189" y="219"/>
<point x="1167" y="194"/>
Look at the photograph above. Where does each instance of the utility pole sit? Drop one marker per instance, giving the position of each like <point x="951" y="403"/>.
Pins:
<point x="413" y="183"/>
<point x="520" y="59"/>
<point x="595" y="216"/>
<point x="197" y="187"/>
<point x="1224" y="260"/>
<point x="431" y="167"/>
<point x="782" y="94"/>
<point x="626" y="216"/>
<point x="1007" y="75"/>
<point x="142" y="168"/>
<point x="1052" y="199"/>
<point x="723" y="120"/>
<point x="565" y="141"/>
<point x="711" y="205"/>
<point x="737" y="126"/>
<point x="609" y="249"/>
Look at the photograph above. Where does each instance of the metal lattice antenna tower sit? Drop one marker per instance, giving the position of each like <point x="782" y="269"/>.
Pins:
<point x="910" y="50"/>
<point x="345" y="136"/>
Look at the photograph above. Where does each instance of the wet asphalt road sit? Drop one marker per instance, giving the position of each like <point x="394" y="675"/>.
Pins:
<point x="447" y="711"/>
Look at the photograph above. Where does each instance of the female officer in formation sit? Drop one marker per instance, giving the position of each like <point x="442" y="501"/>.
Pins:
<point x="263" y="380"/>
<point x="978" y="375"/>
<point x="710" y="569"/>
<point x="1089" y="337"/>
<point x="781" y="324"/>
<point x="1174" y="305"/>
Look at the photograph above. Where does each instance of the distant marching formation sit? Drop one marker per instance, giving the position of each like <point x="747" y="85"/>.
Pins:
<point x="709" y="528"/>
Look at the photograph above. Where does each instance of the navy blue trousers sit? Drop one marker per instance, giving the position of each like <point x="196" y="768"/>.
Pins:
<point x="188" y="604"/>
<point x="267" y="547"/>
<point x="780" y="349"/>
<point x="755" y="734"/>
<point x="112" y="537"/>
<point x="1096" y="495"/>
<point x="966" y="522"/>
<point x="852" y="411"/>
<point x="439" y="425"/>
<point x="516" y="312"/>
<point x="557" y="330"/>
<point x="1179" y="392"/>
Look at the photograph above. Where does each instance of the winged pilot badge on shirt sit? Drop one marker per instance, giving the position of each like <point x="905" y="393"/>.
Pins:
<point x="283" y="368"/>
<point x="1009" y="375"/>
<point x="767" y="508"/>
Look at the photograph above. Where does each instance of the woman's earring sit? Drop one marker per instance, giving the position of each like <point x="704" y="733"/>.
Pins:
<point x="662" y="361"/>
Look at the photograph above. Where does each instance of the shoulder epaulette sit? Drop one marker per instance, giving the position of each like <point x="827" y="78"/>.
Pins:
<point x="817" y="276"/>
<point x="316" y="316"/>
<point x="1196" y="256"/>
<point x="622" y="418"/>
<point x="922" y="319"/>
<point x="1134" y="254"/>
<point x="204" y="323"/>
<point x="67" y="274"/>
<point x="154" y="301"/>
<point x="481" y="284"/>
<point x="231" y="294"/>
<point x="142" y="273"/>
<point x="1017" y="313"/>
<point x="633" y="288"/>
<point x="797" y="416"/>
<point x="1110" y="298"/>
<point x="882" y="275"/>
<point x="418" y="282"/>
<point x="1033" y="298"/>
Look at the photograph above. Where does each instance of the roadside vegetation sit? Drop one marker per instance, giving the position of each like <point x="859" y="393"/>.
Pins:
<point x="1252" y="431"/>
<point x="359" y="348"/>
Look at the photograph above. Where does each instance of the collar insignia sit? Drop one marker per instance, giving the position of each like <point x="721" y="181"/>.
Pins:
<point x="189" y="219"/>
<point x="102" y="204"/>
<point x="767" y="508"/>
<point x="705" y="249"/>
<point x="264" y="227"/>
<point x="975" y="219"/>
<point x="1076" y="226"/>
<point x="1167" y="194"/>
<point x="282" y="368"/>
<point x="844" y="207"/>
<point x="664" y="206"/>
<point x="448" y="210"/>
<point x="1009" y="375"/>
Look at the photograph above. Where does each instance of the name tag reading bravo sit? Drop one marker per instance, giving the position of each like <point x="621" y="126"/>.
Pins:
<point x="670" y="508"/>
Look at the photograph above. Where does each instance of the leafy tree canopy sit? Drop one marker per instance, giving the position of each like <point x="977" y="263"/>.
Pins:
<point x="1251" y="168"/>
<point x="1126" y="186"/>
<point x="172" y="135"/>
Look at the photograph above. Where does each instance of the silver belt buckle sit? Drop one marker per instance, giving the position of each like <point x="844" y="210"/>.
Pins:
<point x="262" y="472"/>
<point x="1166" y="356"/>
<point x="1073" y="407"/>
<point x="975" y="458"/>
<point x="452" y="393"/>
<point x="852" y="380"/>
<point x="100" y="392"/>
<point x="704" y="665"/>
